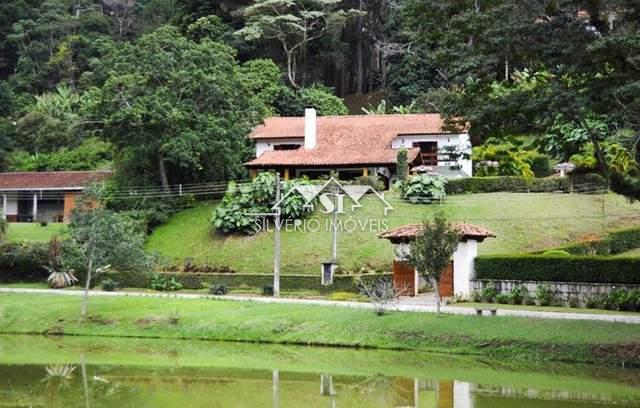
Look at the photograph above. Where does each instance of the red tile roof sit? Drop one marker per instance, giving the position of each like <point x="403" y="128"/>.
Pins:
<point x="50" y="179"/>
<point x="344" y="140"/>
<point x="408" y="232"/>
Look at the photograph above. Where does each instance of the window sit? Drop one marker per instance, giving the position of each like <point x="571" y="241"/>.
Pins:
<point x="286" y="146"/>
<point x="428" y="152"/>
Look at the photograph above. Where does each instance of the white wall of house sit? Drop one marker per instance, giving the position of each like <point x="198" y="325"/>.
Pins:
<point x="463" y="269"/>
<point x="462" y="141"/>
<point x="268" y="144"/>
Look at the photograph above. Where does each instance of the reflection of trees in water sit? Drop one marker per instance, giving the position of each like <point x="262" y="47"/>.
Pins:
<point x="384" y="390"/>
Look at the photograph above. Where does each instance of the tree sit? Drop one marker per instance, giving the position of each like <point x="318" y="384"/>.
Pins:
<point x="292" y="23"/>
<point x="170" y="105"/>
<point x="402" y="165"/>
<point x="101" y="240"/>
<point x="432" y="249"/>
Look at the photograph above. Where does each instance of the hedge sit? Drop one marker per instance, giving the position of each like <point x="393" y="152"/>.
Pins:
<point x="23" y="262"/>
<point x="550" y="268"/>
<point x="341" y="283"/>
<point x="521" y="184"/>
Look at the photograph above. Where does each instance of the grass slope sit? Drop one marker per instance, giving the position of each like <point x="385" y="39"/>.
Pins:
<point x="505" y="337"/>
<point x="33" y="231"/>
<point x="523" y="222"/>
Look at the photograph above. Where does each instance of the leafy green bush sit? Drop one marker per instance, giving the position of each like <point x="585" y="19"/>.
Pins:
<point x="544" y="295"/>
<point x="108" y="285"/>
<point x="540" y="165"/>
<point x="614" y="243"/>
<point x="237" y="211"/>
<point x="502" y="298"/>
<point x="588" y="269"/>
<point x="489" y="293"/>
<point x="503" y="159"/>
<point x="267" y="290"/>
<point x="219" y="289"/>
<point x="521" y="184"/>
<point x="573" y="301"/>
<point x="423" y="189"/>
<point x="164" y="283"/>
<point x="4" y="227"/>
<point x="517" y="295"/>
<point x="372" y="181"/>
<point x="402" y="165"/>
<point x="617" y="299"/>
<point x="24" y="261"/>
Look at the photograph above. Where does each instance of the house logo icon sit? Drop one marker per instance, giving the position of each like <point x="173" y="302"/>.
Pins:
<point x="331" y="196"/>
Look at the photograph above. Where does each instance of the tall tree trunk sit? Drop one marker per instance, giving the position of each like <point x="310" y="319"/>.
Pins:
<point x="291" y="75"/>
<point x="163" y="172"/>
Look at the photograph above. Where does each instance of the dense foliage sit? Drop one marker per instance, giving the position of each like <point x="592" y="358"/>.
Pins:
<point x="244" y="207"/>
<point x="23" y="262"/>
<point x="423" y="189"/>
<point x="170" y="89"/>
<point x="616" y="242"/>
<point x="587" y="182"/>
<point x="562" y="268"/>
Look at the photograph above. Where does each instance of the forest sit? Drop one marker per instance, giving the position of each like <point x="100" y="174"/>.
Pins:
<point x="165" y="91"/>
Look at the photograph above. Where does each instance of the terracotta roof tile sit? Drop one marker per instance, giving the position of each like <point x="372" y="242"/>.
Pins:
<point x="344" y="140"/>
<point x="50" y="179"/>
<point x="408" y="232"/>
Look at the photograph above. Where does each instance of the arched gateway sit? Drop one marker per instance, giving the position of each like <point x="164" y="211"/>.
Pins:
<point x="460" y="272"/>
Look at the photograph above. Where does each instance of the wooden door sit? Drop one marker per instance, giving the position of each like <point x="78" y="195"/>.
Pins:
<point x="446" y="281"/>
<point x="404" y="277"/>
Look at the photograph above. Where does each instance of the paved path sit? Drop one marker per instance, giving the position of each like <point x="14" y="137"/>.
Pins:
<point x="405" y="304"/>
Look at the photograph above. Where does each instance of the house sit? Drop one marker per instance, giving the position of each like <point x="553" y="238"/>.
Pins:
<point x="43" y="196"/>
<point x="456" y="279"/>
<point x="354" y="146"/>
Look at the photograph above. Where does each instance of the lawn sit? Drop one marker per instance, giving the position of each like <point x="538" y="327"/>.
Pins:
<point x="505" y="337"/>
<point x="523" y="222"/>
<point x="33" y="231"/>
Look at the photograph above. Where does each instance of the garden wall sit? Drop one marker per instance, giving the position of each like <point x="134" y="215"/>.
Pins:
<point x="561" y="290"/>
<point x="341" y="283"/>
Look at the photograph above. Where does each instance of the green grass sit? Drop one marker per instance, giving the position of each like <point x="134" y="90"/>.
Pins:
<point x="504" y="337"/>
<point x="32" y="231"/>
<point x="523" y="222"/>
<point x="552" y="309"/>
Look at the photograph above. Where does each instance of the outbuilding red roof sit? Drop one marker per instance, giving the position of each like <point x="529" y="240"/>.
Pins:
<point x="50" y="179"/>
<point x="344" y="140"/>
<point x="408" y="232"/>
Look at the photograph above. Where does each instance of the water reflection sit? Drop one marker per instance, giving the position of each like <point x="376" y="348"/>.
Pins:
<point x="77" y="374"/>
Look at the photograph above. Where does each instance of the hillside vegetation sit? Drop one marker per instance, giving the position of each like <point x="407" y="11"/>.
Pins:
<point x="523" y="222"/>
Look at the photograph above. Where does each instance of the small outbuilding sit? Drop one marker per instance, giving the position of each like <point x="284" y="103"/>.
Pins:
<point x="43" y="196"/>
<point x="456" y="279"/>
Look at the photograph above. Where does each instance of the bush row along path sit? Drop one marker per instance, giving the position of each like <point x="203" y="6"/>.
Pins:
<point x="405" y="304"/>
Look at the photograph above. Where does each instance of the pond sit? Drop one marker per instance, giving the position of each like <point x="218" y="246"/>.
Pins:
<point x="99" y="372"/>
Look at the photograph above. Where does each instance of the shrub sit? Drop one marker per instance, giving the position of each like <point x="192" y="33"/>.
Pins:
<point x="502" y="298"/>
<point x="219" y="289"/>
<point x="489" y="293"/>
<point x="423" y="189"/>
<point x="164" y="283"/>
<point x="596" y="301"/>
<point x="540" y="165"/>
<point x="108" y="285"/>
<point x="517" y="295"/>
<point x="521" y="184"/>
<point x="614" y="243"/>
<point x="43" y="223"/>
<point x="4" y="227"/>
<point x="476" y="296"/>
<point x="587" y="269"/>
<point x="267" y="290"/>
<point x="24" y="261"/>
<point x="402" y="165"/>
<point x="544" y="295"/>
<point x="372" y="181"/>
<point x="237" y="211"/>
<point x="573" y="301"/>
<point x="149" y="212"/>
<point x="529" y="300"/>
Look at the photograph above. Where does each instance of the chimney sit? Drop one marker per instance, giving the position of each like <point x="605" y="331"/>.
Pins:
<point x="310" y="128"/>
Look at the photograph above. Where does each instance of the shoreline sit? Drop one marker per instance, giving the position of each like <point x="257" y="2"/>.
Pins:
<point x="516" y="338"/>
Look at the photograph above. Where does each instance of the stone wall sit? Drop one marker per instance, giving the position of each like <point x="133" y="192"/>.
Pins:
<point x="562" y="290"/>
